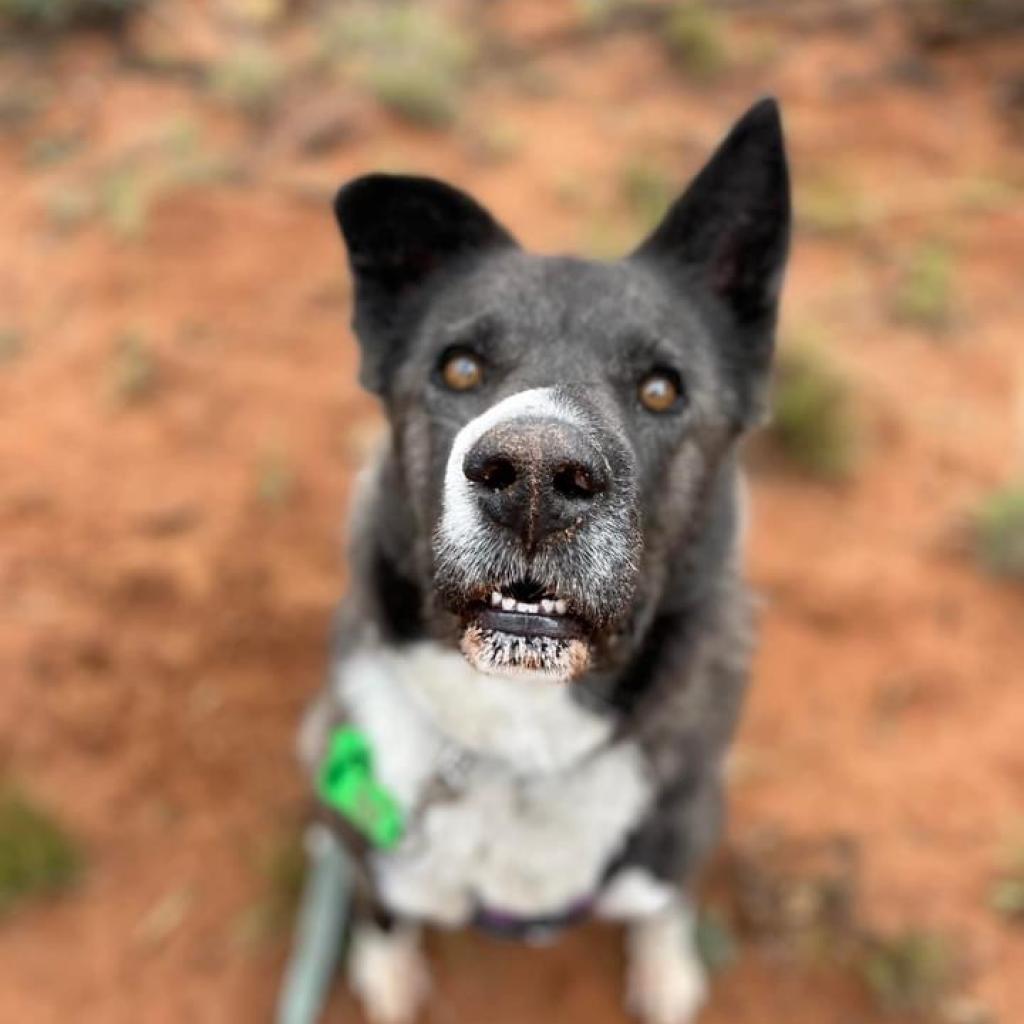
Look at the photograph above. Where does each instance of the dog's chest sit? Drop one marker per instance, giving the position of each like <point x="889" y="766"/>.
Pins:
<point x="513" y="796"/>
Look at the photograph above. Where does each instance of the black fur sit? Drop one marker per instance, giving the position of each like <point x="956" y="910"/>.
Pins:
<point x="672" y="630"/>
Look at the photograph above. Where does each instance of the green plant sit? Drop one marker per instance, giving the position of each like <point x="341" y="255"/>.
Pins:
<point x="908" y="972"/>
<point x="69" y="208"/>
<point x="51" y="15"/>
<point x="715" y="941"/>
<point x="812" y="423"/>
<point x="249" y="78"/>
<point x="12" y="344"/>
<point x="281" y="864"/>
<point x="275" y="477"/>
<point x="135" y="373"/>
<point x="53" y="149"/>
<point x="999" y="532"/>
<point x="412" y="59"/>
<point x="124" y="195"/>
<point x="695" y="38"/>
<point x="827" y="205"/>
<point x="647" y="190"/>
<point x="924" y="296"/>
<point x="1007" y="895"/>
<point x="595" y="15"/>
<point x="37" y="857"/>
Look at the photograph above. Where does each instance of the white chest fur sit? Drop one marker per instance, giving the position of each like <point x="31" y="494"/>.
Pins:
<point x="537" y="809"/>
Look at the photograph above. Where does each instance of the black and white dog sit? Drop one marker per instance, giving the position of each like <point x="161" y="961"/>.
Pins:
<point x="546" y="639"/>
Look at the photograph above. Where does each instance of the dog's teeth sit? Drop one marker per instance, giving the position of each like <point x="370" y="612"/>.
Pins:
<point x="547" y="606"/>
<point x="508" y="603"/>
<point x="495" y="599"/>
<point x="560" y="607"/>
<point x="531" y="608"/>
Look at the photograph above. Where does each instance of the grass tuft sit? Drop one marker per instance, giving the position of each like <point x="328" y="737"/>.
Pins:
<point x="830" y="207"/>
<point x="275" y="478"/>
<point x="249" y="78"/>
<point x="37" y="857"/>
<point x="908" y="972"/>
<point x="1007" y="895"/>
<point x="924" y="296"/>
<point x="716" y="943"/>
<point x="695" y="38"/>
<point x="124" y="199"/>
<point x="999" y="532"/>
<point x="12" y="344"/>
<point x="812" y="423"/>
<point x="58" y="15"/>
<point x="412" y="59"/>
<point x="135" y="374"/>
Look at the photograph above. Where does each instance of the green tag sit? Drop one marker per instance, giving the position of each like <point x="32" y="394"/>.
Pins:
<point x="347" y="784"/>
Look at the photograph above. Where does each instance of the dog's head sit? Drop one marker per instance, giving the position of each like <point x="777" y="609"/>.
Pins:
<point x="557" y="421"/>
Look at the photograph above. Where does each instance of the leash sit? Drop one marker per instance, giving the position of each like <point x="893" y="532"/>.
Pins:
<point x="346" y="783"/>
<point x="320" y="926"/>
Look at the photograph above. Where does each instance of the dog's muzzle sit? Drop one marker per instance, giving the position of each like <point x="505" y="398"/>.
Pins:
<point x="537" y="545"/>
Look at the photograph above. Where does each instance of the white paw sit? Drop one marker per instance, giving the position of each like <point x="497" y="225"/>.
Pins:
<point x="666" y="983"/>
<point x="388" y="973"/>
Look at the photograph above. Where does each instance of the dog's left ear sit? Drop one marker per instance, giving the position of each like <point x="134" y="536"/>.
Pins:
<point x="730" y="229"/>
<point x="402" y="233"/>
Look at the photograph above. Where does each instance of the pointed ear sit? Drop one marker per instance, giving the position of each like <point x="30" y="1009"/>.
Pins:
<point x="402" y="233"/>
<point x="731" y="226"/>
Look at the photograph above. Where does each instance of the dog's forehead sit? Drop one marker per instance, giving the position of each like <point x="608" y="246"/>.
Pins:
<point x="547" y="298"/>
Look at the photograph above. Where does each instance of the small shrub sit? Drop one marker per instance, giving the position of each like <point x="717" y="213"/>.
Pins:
<point x="69" y="208"/>
<point x="12" y="344"/>
<point x="829" y="206"/>
<point x="123" y="199"/>
<point x="37" y="857"/>
<point x="275" y="478"/>
<point x="408" y="56"/>
<point x="53" y="149"/>
<point x="695" y="38"/>
<point x="495" y="142"/>
<point x="924" y="295"/>
<point x="595" y="15"/>
<point x="908" y="972"/>
<point x="999" y="532"/>
<point x="135" y="374"/>
<point x="54" y="15"/>
<point x="249" y="78"/>
<point x="1007" y="895"/>
<point x="281" y="863"/>
<point x="812" y="422"/>
<point x="716" y="943"/>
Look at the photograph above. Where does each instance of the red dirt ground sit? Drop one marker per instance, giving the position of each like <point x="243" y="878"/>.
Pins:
<point x="161" y="624"/>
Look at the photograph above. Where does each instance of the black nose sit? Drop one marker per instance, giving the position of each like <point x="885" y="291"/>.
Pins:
<point x="536" y="477"/>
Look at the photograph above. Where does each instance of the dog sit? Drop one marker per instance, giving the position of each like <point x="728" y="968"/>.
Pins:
<point x="544" y="649"/>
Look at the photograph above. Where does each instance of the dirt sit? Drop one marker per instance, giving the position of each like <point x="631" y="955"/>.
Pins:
<point x="170" y="553"/>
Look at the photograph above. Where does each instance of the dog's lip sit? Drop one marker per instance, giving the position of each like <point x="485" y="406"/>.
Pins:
<point x="525" y="624"/>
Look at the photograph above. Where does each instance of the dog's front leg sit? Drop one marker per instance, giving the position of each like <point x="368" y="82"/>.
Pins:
<point x="666" y="983"/>
<point x="388" y="971"/>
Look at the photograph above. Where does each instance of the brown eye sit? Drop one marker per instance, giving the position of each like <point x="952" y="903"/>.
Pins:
<point x="461" y="371"/>
<point x="660" y="390"/>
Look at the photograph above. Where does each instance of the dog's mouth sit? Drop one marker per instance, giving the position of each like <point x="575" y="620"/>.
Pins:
<point x="523" y="629"/>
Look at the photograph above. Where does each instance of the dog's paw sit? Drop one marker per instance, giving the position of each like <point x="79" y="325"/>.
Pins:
<point x="666" y="983"/>
<point x="388" y="972"/>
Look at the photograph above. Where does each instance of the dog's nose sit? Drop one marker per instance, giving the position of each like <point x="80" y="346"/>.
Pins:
<point x="536" y="477"/>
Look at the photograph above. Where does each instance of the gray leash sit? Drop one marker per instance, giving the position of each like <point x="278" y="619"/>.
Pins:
<point x="320" y="926"/>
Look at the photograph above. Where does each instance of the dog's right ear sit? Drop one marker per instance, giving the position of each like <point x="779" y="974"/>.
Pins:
<point x="402" y="233"/>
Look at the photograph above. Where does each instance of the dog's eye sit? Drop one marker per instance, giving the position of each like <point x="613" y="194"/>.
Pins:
<point x="660" y="391"/>
<point x="461" y="370"/>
